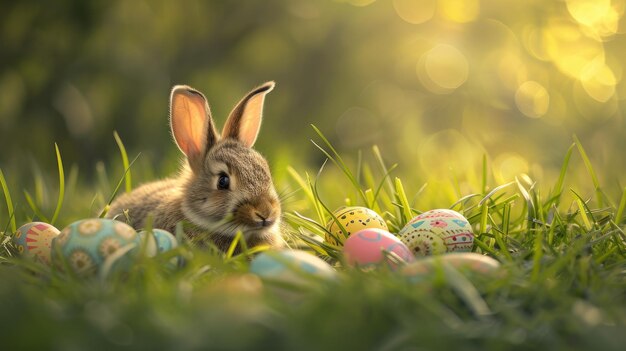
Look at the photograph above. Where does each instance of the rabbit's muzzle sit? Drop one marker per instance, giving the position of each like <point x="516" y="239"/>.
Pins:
<point x="258" y="214"/>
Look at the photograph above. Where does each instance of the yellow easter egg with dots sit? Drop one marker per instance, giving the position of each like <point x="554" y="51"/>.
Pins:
<point x="352" y="219"/>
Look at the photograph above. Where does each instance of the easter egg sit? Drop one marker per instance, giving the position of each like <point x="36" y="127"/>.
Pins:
<point x="159" y="241"/>
<point x="365" y="248"/>
<point x="90" y="245"/>
<point x="437" y="231"/>
<point x="464" y="262"/>
<point x="293" y="267"/>
<point x="35" y="240"/>
<point x="352" y="219"/>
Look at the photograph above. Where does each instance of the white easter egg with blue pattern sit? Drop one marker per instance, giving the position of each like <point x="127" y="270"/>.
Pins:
<point x="438" y="231"/>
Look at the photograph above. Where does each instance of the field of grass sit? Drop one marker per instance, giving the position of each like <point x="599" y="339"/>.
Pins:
<point x="562" y="285"/>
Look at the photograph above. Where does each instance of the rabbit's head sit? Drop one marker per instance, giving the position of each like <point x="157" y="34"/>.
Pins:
<point x="228" y="184"/>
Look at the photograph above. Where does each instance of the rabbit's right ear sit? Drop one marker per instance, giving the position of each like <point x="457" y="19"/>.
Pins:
<point x="192" y="124"/>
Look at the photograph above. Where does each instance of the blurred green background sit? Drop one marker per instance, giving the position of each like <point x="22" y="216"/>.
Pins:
<point x="436" y="84"/>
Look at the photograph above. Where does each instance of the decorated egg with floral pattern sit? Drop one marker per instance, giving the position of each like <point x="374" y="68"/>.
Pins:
<point x="370" y="247"/>
<point x="35" y="240"/>
<point x="350" y="220"/>
<point x="436" y="232"/>
<point x="90" y="244"/>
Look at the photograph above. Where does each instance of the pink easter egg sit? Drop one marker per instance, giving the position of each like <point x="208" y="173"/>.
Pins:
<point x="365" y="248"/>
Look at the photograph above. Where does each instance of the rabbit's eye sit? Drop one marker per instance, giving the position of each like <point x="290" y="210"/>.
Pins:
<point x="223" y="182"/>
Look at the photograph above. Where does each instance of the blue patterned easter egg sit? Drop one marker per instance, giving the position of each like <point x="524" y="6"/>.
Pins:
<point x="89" y="244"/>
<point x="35" y="240"/>
<point x="160" y="241"/>
<point x="436" y="232"/>
<point x="291" y="267"/>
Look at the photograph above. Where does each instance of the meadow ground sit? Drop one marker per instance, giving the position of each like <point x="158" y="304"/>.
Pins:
<point x="562" y="285"/>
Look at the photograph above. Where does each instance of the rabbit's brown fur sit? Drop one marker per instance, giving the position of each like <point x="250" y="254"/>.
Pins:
<point x="250" y="203"/>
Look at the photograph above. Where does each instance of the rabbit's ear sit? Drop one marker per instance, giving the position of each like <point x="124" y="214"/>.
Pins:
<point x="192" y="124"/>
<point x="244" y="121"/>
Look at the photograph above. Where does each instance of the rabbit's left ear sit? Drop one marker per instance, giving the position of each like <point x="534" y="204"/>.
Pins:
<point x="244" y="121"/>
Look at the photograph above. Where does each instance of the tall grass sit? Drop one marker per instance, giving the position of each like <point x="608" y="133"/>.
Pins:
<point x="562" y="285"/>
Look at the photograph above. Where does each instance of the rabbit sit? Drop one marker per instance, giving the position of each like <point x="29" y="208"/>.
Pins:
<point x="223" y="187"/>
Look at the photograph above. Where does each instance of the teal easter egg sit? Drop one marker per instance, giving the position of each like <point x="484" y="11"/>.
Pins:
<point x="91" y="245"/>
<point x="160" y="241"/>
<point x="292" y="267"/>
<point x="438" y="231"/>
<point x="464" y="262"/>
<point x="34" y="240"/>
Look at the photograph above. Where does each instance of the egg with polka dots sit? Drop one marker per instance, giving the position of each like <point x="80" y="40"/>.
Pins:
<point x="436" y="232"/>
<point x="291" y="267"/>
<point x="352" y="219"/>
<point x="34" y="240"/>
<point x="87" y="245"/>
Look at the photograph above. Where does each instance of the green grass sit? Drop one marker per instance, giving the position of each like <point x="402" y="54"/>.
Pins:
<point x="563" y="283"/>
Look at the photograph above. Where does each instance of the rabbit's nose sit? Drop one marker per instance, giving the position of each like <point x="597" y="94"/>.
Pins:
<point x="264" y="219"/>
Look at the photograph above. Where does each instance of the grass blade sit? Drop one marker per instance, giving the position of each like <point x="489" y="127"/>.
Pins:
<point x="537" y="254"/>
<point x="33" y="206"/>
<point x="484" y="211"/>
<point x="117" y="188"/>
<point x="305" y="185"/>
<point x="338" y="161"/>
<point x="61" y="185"/>
<point x="558" y="189"/>
<point x="585" y="212"/>
<point x="233" y="245"/>
<point x="529" y="202"/>
<point x="381" y="162"/>
<point x="406" y="208"/>
<point x="127" y="176"/>
<point x="495" y="190"/>
<point x="386" y="179"/>
<point x="7" y="197"/>
<point x="620" y="210"/>
<point x="589" y="167"/>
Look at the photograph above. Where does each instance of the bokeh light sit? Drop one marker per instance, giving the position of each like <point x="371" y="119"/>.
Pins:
<point x="507" y="166"/>
<point x="598" y="80"/>
<point x="532" y="99"/>
<point x="443" y="69"/>
<point x="599" y="16"/>
<point x="436" y="84"/>
<point x="415" y="12"/>
<point x="448" y="150"/>
<point x="460" y="11"/>
<point x="569" y="49"/>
